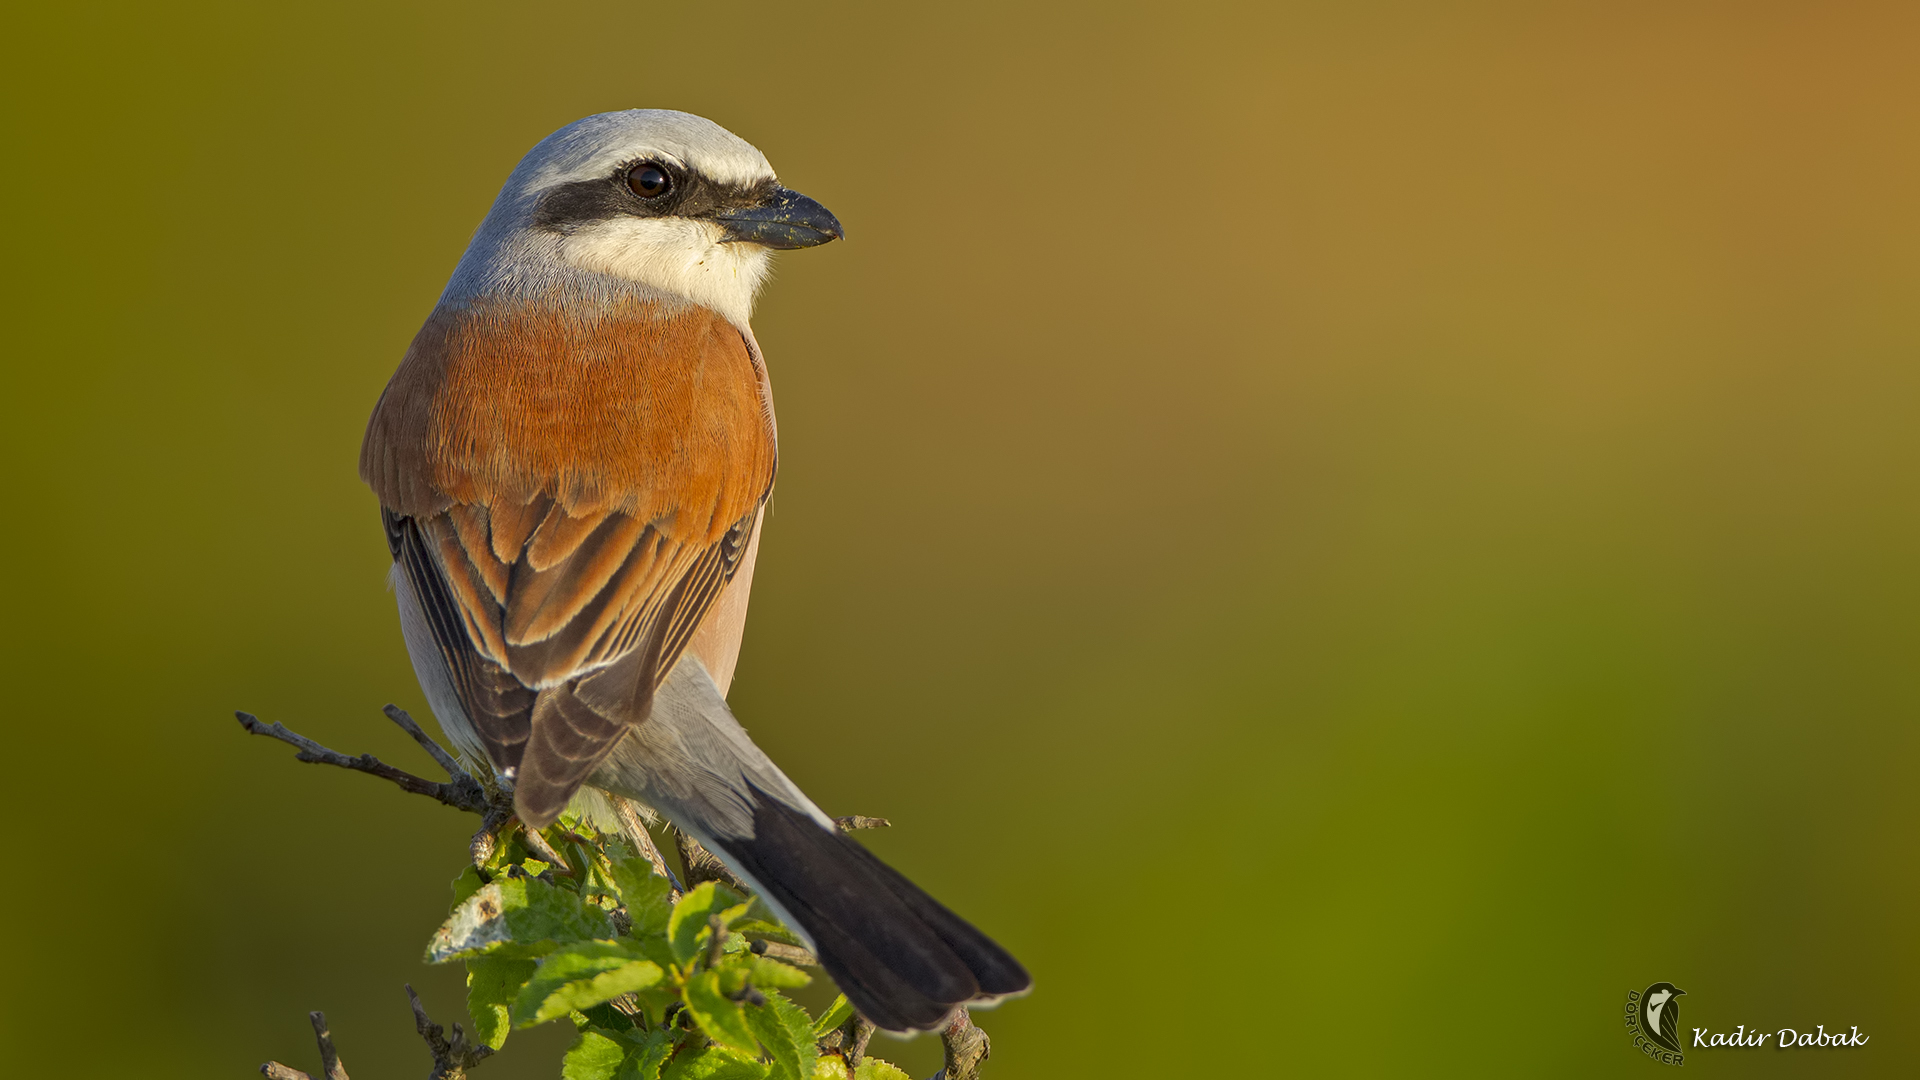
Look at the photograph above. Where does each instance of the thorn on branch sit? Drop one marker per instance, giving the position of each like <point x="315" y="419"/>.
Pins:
<point x="460" y="791"/>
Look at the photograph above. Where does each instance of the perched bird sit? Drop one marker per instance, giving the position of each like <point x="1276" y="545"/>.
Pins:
<point x="1660" y="1017"/>
<point x="572" y="463"/>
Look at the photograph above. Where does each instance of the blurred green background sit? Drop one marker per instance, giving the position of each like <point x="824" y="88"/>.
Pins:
<point x="1349" y="535"/>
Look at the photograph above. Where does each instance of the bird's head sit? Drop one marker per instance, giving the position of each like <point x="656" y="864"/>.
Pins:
<point x="666" y="199"/>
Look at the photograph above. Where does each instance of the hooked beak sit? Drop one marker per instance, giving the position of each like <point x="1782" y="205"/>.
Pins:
<point x="784" y="220"/>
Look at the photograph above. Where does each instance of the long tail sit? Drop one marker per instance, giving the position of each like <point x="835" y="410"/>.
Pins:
<point x="901" y="957"/>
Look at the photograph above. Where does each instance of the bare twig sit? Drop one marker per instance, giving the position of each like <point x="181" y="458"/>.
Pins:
<point x="451" y="1059"/>
<point x="545" y="851"/>
<point x="966" y="1047"/>
<point x="703" y="865"/>
<point x="434" y="750"/>
<point x="461" y="791"/>
<point x="857" y="1033"/>
<point x="636" y="828"/>
<point x="786" y="954"/>
<point x="856" y="821"/>
<point x="329" y="1057"/>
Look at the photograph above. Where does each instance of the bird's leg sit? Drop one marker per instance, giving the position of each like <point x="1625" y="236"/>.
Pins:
<point x="493" y="823"/>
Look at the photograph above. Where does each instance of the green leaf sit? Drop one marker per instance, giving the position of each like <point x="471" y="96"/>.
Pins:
<point x="714" y="1063"/>
<point x="468" y="883"/>
<point x="768" y="973"/>
<point x="718" y="1015"/>
<point x="787" y="1033"/>
<point x="872" y="1068"/>
<point x="595" y="1055"/>
<point x="581" y="976"/>
<point x="492" y="984"/>
<point x="645" y="894"/>
<point x="772" y="931"/>
<point x="516" y="916"/>
<point x="647" y="1055"/>
<point x="836" y="1014"/>
<point x="688" y="922"/>
<point x="605" y="1016"/>
<point x="831" y="1066"/>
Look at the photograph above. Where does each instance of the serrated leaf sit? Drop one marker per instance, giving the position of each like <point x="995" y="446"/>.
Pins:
<point x="836" y="1014"/>
<point x="595" y="1055"/>
<point x="714" y="1063"/>
<point x="690" y="917"/>
<point x="492" y="984"/>
<point x="766" y="973"/>
<point x="517" y="916"/>
<point x="647" y="1055"/>
<point x="872" y="1068"/>
<point x="718" y="1015"/>
<point x="580" y="976"/>
<point x="786" y="1031"/>
<point x="831" y="1066"/>
<point x="644" y="893"/>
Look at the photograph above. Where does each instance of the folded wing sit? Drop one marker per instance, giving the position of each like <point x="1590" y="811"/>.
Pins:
<point x="567" y="499"/>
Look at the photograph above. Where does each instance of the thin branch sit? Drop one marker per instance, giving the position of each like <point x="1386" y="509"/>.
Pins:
<point x="966" y="1047"/>
<point x="856" y="821"/>
<point x="786" y="954"/>
<point x="546" y="853"/>
<point x="451" y="1058"/>
<point x="461" y="791"/>
<point x="856" y="1034"/>
<point x="703" y="865"/>
<point x="329" y="1057"/>
<point x="636" y="827"/>
<point x="439" y="753"/>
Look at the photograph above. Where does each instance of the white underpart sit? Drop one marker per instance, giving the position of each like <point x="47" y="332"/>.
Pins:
<point x="681" y="256"/>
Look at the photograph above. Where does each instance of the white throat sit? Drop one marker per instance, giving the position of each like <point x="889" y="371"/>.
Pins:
<point x="678" y="256"/>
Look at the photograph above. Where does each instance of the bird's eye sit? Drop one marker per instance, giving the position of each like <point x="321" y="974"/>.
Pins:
<point x="649" y="181"/>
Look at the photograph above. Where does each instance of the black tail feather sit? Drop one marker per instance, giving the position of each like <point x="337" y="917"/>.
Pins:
<point x="901" y="957"/>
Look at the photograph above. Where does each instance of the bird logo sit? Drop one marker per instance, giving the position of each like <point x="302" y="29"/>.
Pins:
<point x="1660" y="1014"/>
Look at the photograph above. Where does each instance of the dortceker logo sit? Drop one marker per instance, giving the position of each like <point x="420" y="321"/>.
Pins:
<point x="1653" y="1015"/>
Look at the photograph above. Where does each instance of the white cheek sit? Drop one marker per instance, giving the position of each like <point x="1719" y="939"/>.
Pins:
<point x="675" y="255"/>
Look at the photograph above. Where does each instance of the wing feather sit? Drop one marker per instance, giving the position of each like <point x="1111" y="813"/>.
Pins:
<point x="568" y="501"/>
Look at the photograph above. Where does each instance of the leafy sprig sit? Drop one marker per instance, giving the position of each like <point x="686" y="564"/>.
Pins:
<point x="659" y="986"/>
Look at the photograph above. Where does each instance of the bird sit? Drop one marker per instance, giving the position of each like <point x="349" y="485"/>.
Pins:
<point x="1662" y="1014"/>
<point x="573" y="461"/>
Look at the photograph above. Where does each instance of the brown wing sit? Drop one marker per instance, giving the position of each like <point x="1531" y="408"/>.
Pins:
<point x="568" y="498"/>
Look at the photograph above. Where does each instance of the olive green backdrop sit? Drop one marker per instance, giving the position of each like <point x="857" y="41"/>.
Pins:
<point x="1348" y="535"/>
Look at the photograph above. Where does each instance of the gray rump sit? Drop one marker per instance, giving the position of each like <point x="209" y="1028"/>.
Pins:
<point x="692" y="761"/>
